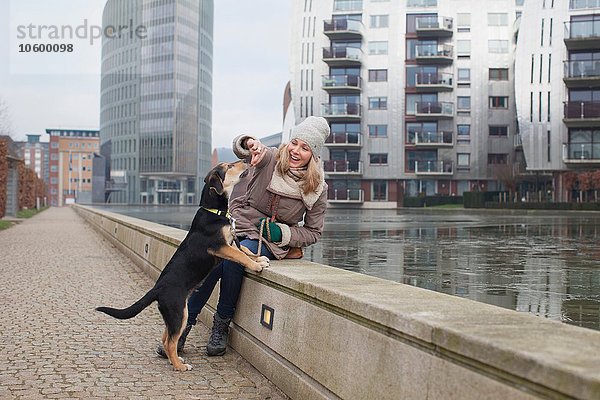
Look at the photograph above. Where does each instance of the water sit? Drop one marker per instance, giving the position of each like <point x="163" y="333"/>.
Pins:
<point x="547" y="263"/>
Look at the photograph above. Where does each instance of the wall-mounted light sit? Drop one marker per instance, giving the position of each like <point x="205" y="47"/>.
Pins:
<point x="266" y="317"/>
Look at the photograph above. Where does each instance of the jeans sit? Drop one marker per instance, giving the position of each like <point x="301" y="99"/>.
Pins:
<point x="231" y="275"/>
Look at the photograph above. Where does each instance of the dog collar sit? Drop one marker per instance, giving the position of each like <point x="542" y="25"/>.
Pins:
<point x="222" y="213"/>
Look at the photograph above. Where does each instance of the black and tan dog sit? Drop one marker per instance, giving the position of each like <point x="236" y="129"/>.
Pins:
<point x="210" y="239"/>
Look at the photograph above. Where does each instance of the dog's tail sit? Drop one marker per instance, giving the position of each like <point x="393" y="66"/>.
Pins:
<point x="132" y="310"/>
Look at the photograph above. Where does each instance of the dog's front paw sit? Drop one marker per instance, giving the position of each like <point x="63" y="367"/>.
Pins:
<point x="183" y="367"/>
<point x="261" y="263"/>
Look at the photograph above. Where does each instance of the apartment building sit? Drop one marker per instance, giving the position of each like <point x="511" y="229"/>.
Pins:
<point x="71" y="158"/>
<point x="419" y="94"/>
<point x="558" y="89"/>
<point x="36" y="156"/>
<point x="156" y="99"/>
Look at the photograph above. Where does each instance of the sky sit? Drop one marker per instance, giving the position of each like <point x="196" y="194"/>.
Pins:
<point x="62" y="89"/>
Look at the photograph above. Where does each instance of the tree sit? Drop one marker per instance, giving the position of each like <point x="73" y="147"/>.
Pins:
<point x="596" y="182"/>
<point x="5" y="120"/>
<point x="586" y="183"/>
<point x="570" y="181"/>
<point x="505" y="173"/>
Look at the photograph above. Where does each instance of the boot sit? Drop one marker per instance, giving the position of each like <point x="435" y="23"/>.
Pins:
<point x="180" y="343"/>
<point x="217" y="343"/>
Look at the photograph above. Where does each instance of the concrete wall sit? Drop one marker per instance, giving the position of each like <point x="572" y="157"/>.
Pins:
<point x="338" y="334"/>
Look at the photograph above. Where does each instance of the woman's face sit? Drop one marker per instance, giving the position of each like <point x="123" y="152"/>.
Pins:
<point x="299" y="152"/>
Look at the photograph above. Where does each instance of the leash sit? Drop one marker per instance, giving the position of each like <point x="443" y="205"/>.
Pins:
<point x="264" y="223"/>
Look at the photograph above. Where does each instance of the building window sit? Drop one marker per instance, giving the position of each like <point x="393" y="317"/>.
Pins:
<point x="498" y="101"/>
<point x="463" y="22"/>
<point x="497" y="159"/>
<point x="421" y="3"/>
<point x="347" y="5"/>
<point x="379" y="192"/>
<point x="499" y="130"/>
<point x="498" y="46"/>
<point x="378" y="159"/>
<point x="463" y="103"/>
<point x="377" y="103"/>
<point x="463" y="48"/>
<point x="498" y="74"/>
<point x="497" y="19"/>
<point x="378" y="48"/>
<point x="378" y="75"/>
<point x="377" y="131"/>
<point x="379" y="21"/>
<point x="463" y="160"/>
<point x="464" y="75"/>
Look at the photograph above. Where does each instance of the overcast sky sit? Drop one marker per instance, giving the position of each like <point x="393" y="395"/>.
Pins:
<point x="250" y="68"/>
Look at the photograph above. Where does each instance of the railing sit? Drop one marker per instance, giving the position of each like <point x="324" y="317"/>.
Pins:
<point x="344" y="138"/>
<point x="582" y="109"/>
<point x="581" y="4"/>
<point x="434" y="22"/>
<point x="433" y="167"/>
<point x="434" y="108"/>
<point x="582" y="69"/>
<point x="342" y="25"/>
<point x="430" y="138"/>
<point x="342" y="166"/>
<point x="356" y="5"/>
<point x="433" y="78"/>
<point x="582" y="29"/>
<point x="331" y="81"/>
<point x="350" y="53"/>
<point x="581" y="151"/>
<point x="349" y="195"/>
<point x="434" y="50"/>
<point x="342" y="109"/>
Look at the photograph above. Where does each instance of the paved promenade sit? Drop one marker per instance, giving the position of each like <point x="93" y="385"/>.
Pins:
<point x="54" y="270"/>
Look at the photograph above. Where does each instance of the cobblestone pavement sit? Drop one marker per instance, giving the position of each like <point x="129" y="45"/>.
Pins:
<point x="54" y="270"/>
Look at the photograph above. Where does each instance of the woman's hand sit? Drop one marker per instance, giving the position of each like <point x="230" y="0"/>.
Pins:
<point x="257" y="150"/>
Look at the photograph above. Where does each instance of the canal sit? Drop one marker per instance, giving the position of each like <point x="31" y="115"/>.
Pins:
<point x="544" y="263"/>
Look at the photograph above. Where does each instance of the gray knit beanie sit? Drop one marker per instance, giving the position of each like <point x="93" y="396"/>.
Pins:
<point x="313" y="131"/>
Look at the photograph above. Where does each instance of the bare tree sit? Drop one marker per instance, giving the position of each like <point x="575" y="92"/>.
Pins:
<point x="506" y="174"/>
<point x="5" y="120"/>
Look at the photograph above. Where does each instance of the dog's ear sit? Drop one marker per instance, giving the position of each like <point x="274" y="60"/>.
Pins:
<point x="215" y="181"/>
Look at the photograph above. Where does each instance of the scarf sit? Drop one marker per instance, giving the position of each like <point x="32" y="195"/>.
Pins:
<point x="287" y="185"/>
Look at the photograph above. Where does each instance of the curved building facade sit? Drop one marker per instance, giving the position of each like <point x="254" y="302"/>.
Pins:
<point x="557" y="84"/>
<point x="156" y="98"/>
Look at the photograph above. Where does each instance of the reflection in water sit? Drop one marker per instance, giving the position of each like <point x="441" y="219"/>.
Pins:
<point x="545" y="264"/>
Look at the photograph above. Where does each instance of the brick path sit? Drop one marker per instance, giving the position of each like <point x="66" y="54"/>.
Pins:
<point x="54" y="270"/>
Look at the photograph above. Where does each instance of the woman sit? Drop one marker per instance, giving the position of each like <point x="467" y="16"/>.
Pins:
<point x="285" y="187"/>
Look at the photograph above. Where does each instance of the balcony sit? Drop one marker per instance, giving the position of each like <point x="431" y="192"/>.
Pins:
<point x="342" y="56"/>
<point x="434" y="26"/>
<point x="584" y="73"/>
<point x="581" y="153"/>
<point x="343" y="29"/>
<point x="518" y="142"/>
<point x="344" y="140"/>
<point x="342" y="111"/>
<point x="582" y="34"/>
<point x="428" y="111"/>
<point x="346" y="196"/>
<point x="434" y="54"/>
<point x="582" y="114"/>
<point x="341" y="83"/>
<point x="431" y="139"/>
<point x="435" y="167"/>
<point x="342" y="167"/>
<point x="434" y="82"/>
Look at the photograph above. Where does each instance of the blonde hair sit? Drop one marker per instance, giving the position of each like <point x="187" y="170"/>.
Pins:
<point x="312" y="178"/>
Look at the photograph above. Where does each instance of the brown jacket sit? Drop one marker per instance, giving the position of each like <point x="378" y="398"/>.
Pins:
<point x="258" y="196"/>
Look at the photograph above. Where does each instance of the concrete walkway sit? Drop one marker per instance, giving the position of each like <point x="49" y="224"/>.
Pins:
<point x="54" y="270"/>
